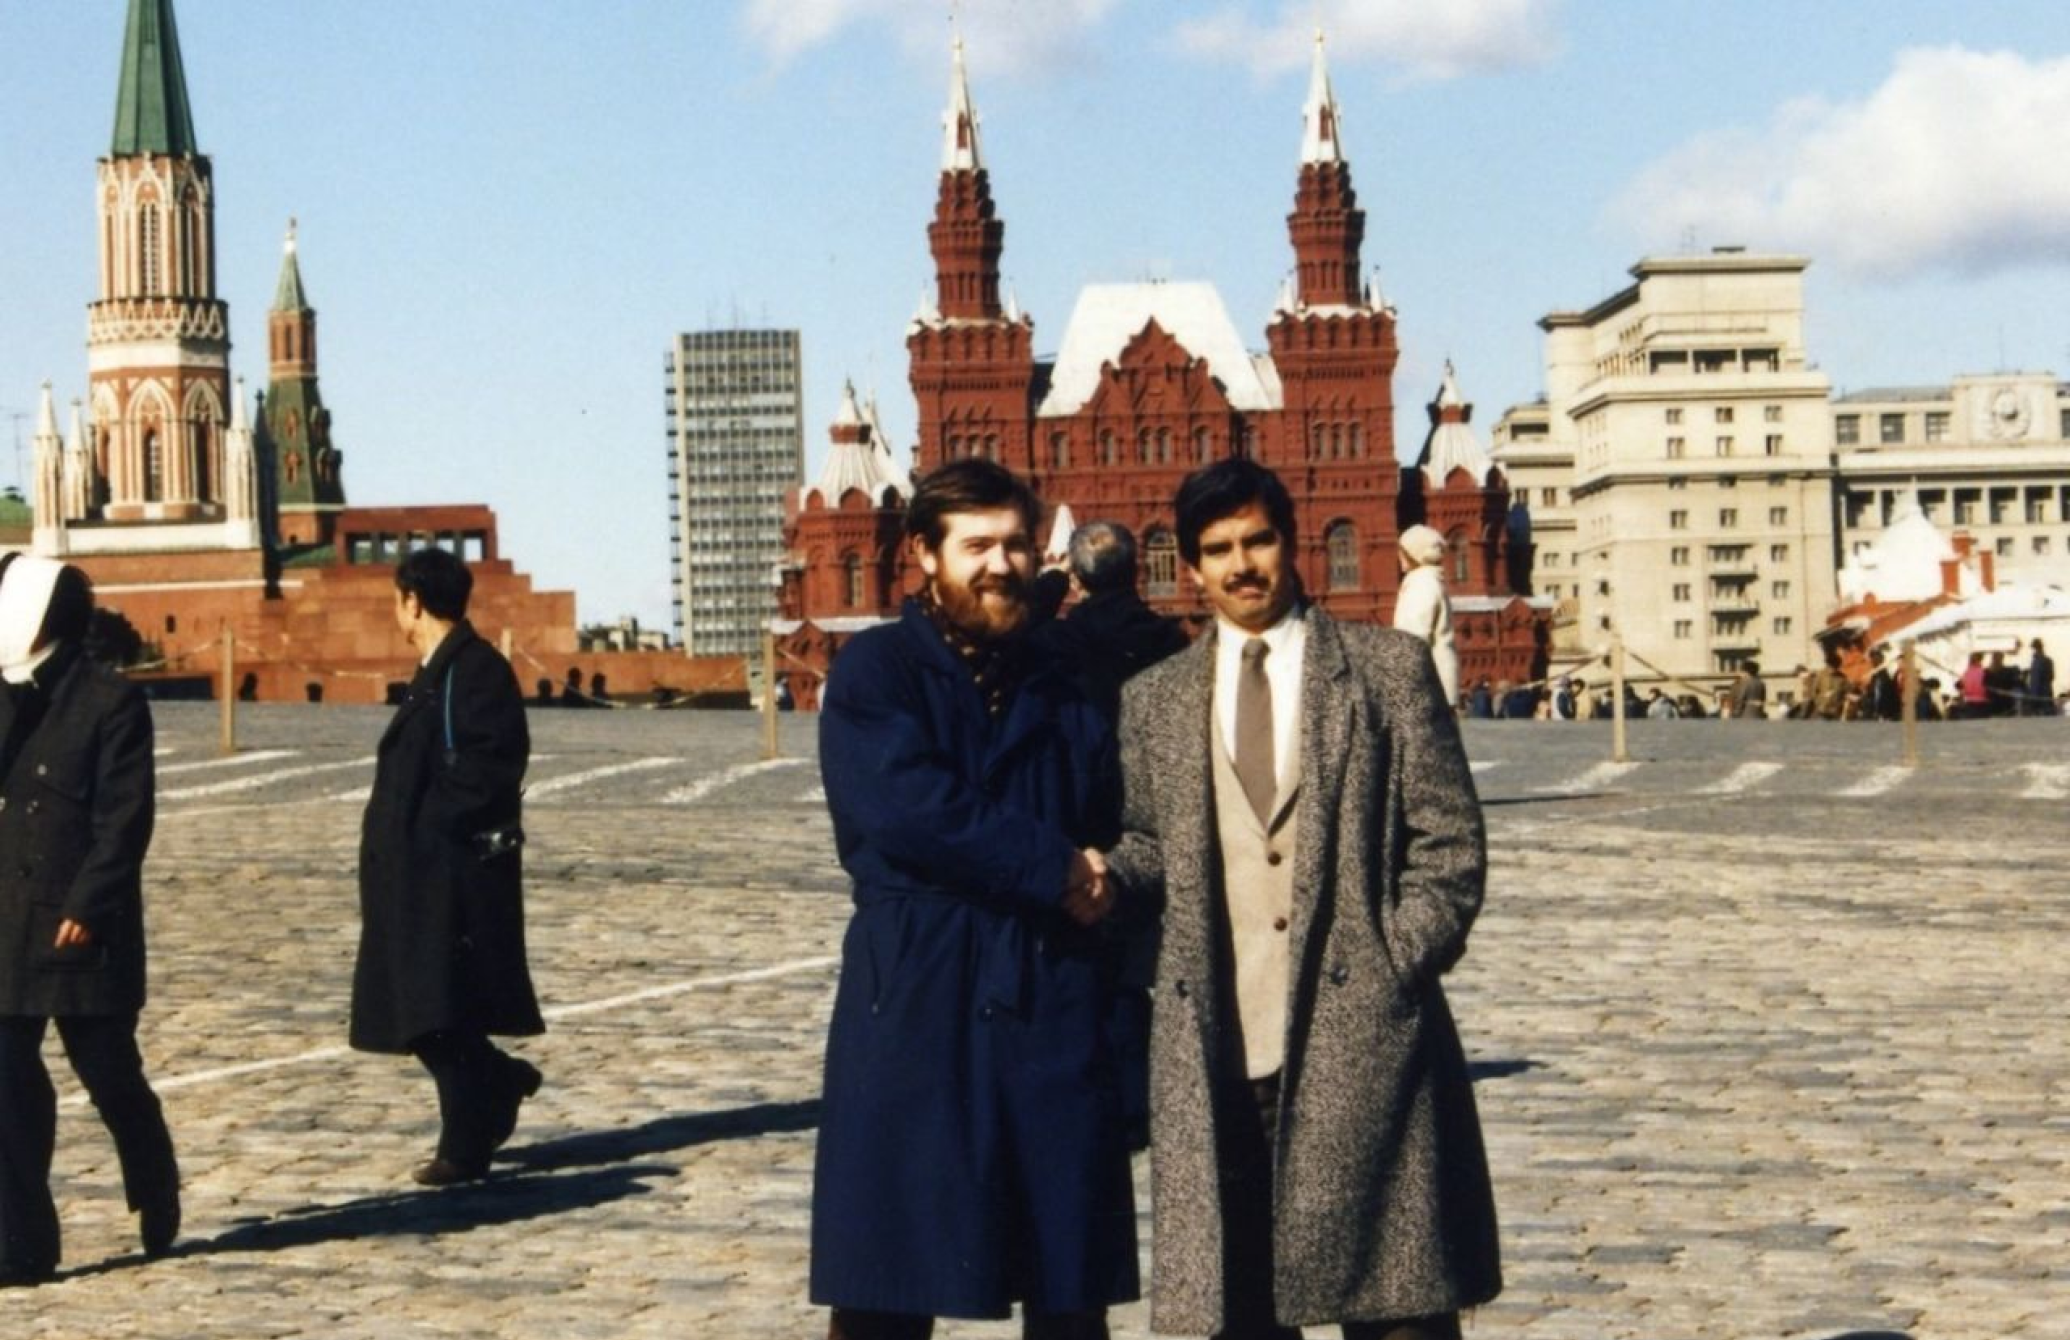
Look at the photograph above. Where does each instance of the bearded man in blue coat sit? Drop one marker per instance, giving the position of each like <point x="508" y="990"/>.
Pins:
<point x="971" y="1147"/>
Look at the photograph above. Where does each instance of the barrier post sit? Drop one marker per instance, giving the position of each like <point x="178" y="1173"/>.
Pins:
<point x="1618" y="753"/>
<point x="226" y="691"/>
<point x="769" y="743"/>
<point x="1908" y="706"/>
<point x="506" y="645"/>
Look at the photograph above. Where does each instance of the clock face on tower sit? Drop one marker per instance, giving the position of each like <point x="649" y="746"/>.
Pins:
<point x="2008" y="414"/>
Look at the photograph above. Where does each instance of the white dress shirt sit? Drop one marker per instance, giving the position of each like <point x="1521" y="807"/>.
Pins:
<point x="1288" y="639"/>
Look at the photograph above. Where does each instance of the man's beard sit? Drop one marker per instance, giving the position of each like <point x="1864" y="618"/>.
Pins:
<point x="981" y="619"/>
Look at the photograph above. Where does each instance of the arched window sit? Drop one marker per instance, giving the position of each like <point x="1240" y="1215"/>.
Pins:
<point x="989" y="448"/>
<point x="1461" y="565"/>
<point x="1318" y="440"/>
<point x="1160" y="563"/>
<point x="1164" y="446"/>
<point x="154" y="466"/>
<point x="1200" y="446"/>
<point x="1336" y="441"/>
<point x="1106" y="448"/>
<point x="1354" y="440"/>
<point x="1143" y="446"/>
<point x="853" y="567"/>
<point x="952" y="447"/>
<point x="1059" y="451"/>
<point x="204" y="463"/>
<point x="150" y="271"/>
<point x="1341" y="540"/>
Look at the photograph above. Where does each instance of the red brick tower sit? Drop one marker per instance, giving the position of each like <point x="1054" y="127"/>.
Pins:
<point x="1334" y="350"/>
<point x="972" y="360"/>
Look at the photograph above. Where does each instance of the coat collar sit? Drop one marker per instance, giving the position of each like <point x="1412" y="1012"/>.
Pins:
<point x="428" y="683"/>
<point x="1030" y="709"/>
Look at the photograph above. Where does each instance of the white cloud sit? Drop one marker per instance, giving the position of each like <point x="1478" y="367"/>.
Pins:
<point x="1423" y="38"/>
<point x="1960" y="161"/>
<point x="1000" y="36"/>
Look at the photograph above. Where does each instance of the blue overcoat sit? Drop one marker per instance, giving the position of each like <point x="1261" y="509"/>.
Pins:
<point x="971" y="1151"/>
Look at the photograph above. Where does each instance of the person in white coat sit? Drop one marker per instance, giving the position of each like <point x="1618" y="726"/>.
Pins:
<point x="1421" y="608"/>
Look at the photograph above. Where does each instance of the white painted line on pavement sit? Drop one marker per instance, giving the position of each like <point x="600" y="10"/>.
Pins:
<point x="253" y="783"/>
<point x="194" y="1077"/>
<point x="694" y="984"/>
<point x="1485" y="765"/>
<point x="164" y="751"/>
<point x="816" y="796"/>
<point x="1742" y="778"/>
<point x="1877" y="782"/>
<point x="556" y="785"/>
<point x="256" y="756"/>
<point x="704" y="786"/>
<point x="2047" y="781"/>
<point x="1596" y="778"/>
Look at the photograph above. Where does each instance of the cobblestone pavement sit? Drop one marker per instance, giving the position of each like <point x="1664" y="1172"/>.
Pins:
<point x="1758" y="1057"/>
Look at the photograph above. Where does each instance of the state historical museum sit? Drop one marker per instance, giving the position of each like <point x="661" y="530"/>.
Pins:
<point x="1150" y="381"/>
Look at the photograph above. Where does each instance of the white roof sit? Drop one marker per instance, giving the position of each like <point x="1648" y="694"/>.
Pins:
<point x="1061" y="528"/>
<point x="1905" y="561"/>
<point x="864" y="465"/>
<point x="1453" y="446"/>
<point x="1108" y="316"/>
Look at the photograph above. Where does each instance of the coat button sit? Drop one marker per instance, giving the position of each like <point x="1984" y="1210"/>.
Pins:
<point x="31" y="807"/>
<point x="985" y="1012"/>
<point x="1273" y="858"/>
<point x="1339" y="975"/>
<point x="43" y="770"/>
<point x="3" y="804"/>
<point x="1279" y="923"/>
<point x="1179" y="989"/>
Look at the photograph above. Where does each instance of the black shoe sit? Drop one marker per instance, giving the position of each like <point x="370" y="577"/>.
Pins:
<point x="26" y="1277"/>
<point x="448" y="1172"/>
<point x="158" y="1224"/>
<point x="524" y="1082"/>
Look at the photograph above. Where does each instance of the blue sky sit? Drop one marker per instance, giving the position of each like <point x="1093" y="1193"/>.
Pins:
<point x="507" y="207"/>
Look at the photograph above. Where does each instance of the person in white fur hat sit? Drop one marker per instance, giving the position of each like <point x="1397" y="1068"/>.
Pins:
<point x="1421" y="608"/>
<point x="76" y="796"/>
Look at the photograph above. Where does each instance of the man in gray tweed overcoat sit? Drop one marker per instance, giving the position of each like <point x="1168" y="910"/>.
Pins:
<point x="1299" y="805"/>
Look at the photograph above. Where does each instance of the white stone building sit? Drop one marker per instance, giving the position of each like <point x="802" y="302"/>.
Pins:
<point x="1696" y="516"/>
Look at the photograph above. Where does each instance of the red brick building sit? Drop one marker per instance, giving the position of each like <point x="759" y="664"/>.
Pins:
<point x="1149" y="382"/>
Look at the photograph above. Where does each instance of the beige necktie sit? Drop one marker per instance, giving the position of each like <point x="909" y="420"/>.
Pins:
<point x="1256" y="765"/>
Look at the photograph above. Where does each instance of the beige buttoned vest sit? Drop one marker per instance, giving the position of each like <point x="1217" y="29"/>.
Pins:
<point x="1258" y="893"/>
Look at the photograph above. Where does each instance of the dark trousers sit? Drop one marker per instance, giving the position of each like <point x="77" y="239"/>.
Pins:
<point x="850" y="1324"/>
<point x="1250" y="1123"/>
<point x="103" y="1053"/>
<point x="477" y="1088"/>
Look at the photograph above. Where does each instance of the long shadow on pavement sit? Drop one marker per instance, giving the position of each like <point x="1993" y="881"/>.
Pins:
<point x="664" y="1135"/>
<point x="1485" y="1070"/>
<point x="541" y="1184"/>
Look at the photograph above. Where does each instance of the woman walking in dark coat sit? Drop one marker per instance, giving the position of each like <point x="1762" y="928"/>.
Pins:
<point x="442" y="939"/>
<point x="75" y="820"/>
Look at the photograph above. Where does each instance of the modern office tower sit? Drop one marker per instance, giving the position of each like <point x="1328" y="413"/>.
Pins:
<point x="1702" y="480"/>
<point x="736" y="446"/>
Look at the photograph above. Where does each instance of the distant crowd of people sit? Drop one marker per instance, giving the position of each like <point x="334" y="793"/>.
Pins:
<point x="1852" y="685"/>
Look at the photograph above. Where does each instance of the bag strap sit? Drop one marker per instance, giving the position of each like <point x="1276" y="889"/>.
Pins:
<point x="449" y="709"/>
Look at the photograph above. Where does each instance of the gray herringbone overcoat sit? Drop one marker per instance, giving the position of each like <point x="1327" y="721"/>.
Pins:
<point x="1382" y="1205"/>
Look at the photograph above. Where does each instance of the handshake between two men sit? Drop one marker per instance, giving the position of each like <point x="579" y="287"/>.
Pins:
<point x="1089" y="895"/>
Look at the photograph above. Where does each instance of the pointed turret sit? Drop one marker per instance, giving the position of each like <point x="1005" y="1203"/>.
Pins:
<point x="1320" y="136"/>
<point x="1452" y="444"/>
<point x="967" y="235"/>
<point x="855" y="461"/>
<point x="960" y="151"/>
<point x="287" y="294"/>
<point x="241" y="474"/>
<point x="1327" y="226"/>
<point x="49" y="500"/>
<point x="79" y="469"/>
<point x="151" y="111"/>
<point x="307" y="490"/>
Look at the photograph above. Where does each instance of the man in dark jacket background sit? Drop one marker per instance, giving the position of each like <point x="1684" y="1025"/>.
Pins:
<point x="76" y="805"/>
<point x="442" y="938"/>
<point x="970" y="1147"/>
<point x="1109" y="637"/>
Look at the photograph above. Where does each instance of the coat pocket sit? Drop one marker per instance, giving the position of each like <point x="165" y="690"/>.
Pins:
<point x="44" y="954"/>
